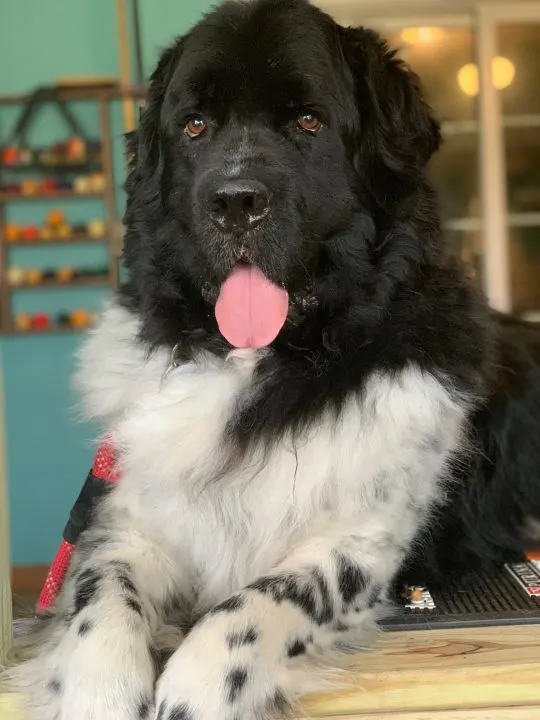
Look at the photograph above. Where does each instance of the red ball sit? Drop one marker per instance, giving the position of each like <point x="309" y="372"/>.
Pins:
<point x="48" y="184"/>
<point x="10" y="156"/>
<point x="40" y="321"/>
<point x="30" y="232"/>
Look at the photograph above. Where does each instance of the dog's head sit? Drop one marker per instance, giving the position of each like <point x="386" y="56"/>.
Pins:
<point x="272" y="139"/>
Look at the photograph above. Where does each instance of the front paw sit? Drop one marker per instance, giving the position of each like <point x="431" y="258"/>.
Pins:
<point x="108" y="679"/>
<point x="223" y="671"/>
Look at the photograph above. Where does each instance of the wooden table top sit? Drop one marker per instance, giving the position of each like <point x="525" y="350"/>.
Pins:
<point x="465" y="674"/>
<point x="458" y="674"/>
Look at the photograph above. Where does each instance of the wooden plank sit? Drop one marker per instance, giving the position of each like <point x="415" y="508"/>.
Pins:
<point x="514" y="713"/>
<point x="439" y="670"/>
<point x="12" y="707"/>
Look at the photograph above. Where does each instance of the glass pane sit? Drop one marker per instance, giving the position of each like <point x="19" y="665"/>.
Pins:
<point x="438" y="55"/>
<point x="444" y="60"/>
<point x="522" y="147"/>
<point x="468" y="244"/>
<point x="525" y="268"/>
<point x="516" y="71"/>
<point x="454" y="172"/>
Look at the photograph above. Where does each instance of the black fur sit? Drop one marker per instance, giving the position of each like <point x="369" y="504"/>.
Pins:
<point x="86" y="588"/>
<point x="297" y="647"/>
<point x="235" y="682"/>
<point x="181" y="712"/>
<point x="232" y="604"/>
<point x="84" y="628"/>
<point x="351" y="579"/>
<point x="309" y="593"/>
<point x="239" y="639"/>
<point x="354" y="235"/>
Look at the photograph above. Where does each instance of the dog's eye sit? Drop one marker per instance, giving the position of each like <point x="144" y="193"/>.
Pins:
<point x="195" y="127"/>
<point x="308" y="121"/>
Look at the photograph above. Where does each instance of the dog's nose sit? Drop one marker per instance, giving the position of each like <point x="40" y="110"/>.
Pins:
<point x="239" y="204"/>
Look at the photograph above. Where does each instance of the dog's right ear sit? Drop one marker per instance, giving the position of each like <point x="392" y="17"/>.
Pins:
<point x="143" y="146"/>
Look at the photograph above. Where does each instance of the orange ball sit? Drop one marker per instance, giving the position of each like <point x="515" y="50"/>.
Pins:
<point x="12" y="233"/>
<point x="80" y="318"/>
<point x="65" y="273"/>
<point x="23" y="322"/>
<point x="34" y="276"/>
<point x="56" y="218"/>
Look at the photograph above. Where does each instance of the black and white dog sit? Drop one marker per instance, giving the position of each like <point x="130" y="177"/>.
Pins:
<point x="306" y="394"/>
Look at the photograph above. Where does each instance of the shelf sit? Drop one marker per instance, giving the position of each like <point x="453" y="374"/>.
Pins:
<point x="50" y="167"/>
<point x="55" y="241"/>
<point x="97" y="280"/>
<point x="53" y="330"/>
<point x="53" y="195"/>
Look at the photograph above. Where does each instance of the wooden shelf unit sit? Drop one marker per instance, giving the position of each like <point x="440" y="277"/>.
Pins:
<point x="71" y="240"/>
<point x="55" y="283"/>
<point x="103" y="97"/>
<point x="52" y="195"/>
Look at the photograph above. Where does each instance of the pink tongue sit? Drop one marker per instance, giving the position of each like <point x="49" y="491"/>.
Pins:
<point x="250" y="310"/>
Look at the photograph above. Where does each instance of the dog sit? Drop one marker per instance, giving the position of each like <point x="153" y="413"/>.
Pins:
<point x="307" y="395"/>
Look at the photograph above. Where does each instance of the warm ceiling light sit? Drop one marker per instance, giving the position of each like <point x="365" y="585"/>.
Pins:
<point x="503" y="72"/>
<point x="421" y="35"/>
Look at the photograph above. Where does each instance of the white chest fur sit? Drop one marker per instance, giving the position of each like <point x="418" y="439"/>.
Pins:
<point x="387" y="448"/>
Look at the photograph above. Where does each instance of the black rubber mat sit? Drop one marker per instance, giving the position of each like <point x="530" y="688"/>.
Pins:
<point x="509" y="597"/>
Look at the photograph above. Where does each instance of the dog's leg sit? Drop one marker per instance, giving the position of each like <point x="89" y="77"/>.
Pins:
<point x="96" y="659"/>
<point x="247" y="655"/>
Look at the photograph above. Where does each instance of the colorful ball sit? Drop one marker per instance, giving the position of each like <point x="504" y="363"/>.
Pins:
<point x="33" y="276"/>
<point x="10" y="155"/>
<point x="55" y="218"/>
<point x="81" y="318"/>
<point x="30" y="232"/>
<point x="96" y="228"/>
<point x="16" y="275"/>
<point x="22" y="322"/>
<point x="12" y="233"/>
<point x="40" y="321"/>
<point x="65" y="274"/>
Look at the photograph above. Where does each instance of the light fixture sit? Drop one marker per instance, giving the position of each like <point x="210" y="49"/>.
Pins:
<point x="421" y="35"/>
<point x="503" y="72"/>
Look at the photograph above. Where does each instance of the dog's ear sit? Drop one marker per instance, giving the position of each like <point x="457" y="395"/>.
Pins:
<point x="143" y="146"/>
<point x="395" y="121"/>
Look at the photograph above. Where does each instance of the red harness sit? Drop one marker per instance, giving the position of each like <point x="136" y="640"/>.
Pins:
<point x="100" y="477"/>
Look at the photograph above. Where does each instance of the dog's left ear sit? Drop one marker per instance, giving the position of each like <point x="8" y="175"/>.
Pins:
<point x="393" y="112"/>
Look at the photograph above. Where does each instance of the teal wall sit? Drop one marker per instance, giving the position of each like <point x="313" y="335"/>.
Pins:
<point x="49" y="451"/>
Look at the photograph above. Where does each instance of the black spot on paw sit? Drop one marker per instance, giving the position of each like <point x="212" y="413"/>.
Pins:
<point x="232" y="604"/>
<point x="310" y="594"/>
<point x="239" y="639"/>
<point x="297" y="647"/>
<point x="235" y="682"/>
<point x="55" y="686"/>
<point x="86" y="588"/>
<point x="278" y="703"/>
<point x="374" y="595"/>
<point x="84" y="628"/>
<point x="351" y="579"/>
<point x="127" y="584"/>
<point x="134" y="605"/>
<point x="341" y="627"/>
<point x="180" y="712"/>
<point x="144" y="708"/>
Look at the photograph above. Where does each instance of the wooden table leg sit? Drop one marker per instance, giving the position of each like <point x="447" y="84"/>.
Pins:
<point x="5" y="565"/>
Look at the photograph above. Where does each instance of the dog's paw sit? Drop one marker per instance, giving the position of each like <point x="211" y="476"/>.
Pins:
<point x="108" y="678"/>
<point x="223" y="670"/>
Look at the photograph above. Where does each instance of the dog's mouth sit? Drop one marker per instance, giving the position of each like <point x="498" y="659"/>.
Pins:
<point x="251" y="309"/>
